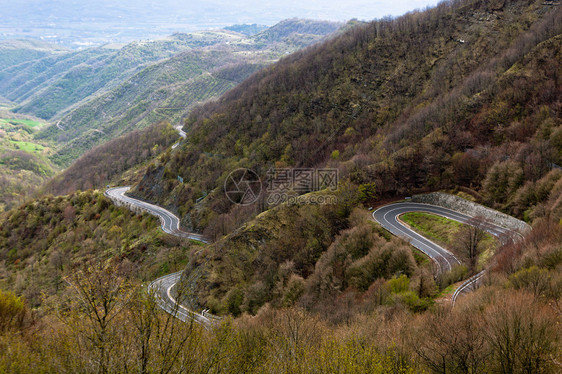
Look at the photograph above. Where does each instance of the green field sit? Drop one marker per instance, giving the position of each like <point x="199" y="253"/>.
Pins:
<point x="443" y="231"/>
<point x="435" y="227"/>
<point x="28" y="146"/>
<point x="25" y="122"/>
<point x="17" y="135"/>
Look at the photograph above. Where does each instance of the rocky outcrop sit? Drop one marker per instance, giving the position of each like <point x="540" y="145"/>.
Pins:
<point x="472" y="209"/>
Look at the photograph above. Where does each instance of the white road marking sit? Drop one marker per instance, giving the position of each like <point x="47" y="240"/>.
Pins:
<point x="435" y="252"/>
<point x="167" y="220"/>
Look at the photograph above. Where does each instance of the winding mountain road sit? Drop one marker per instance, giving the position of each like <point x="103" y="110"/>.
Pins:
<point x="388" y="217"/>
<point x="182" y="134"/>
<point x="170" y="222"/>
<point x="163" y="287"/>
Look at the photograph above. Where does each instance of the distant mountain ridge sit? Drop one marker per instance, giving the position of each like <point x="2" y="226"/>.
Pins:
<point x="94" y="95"/>
<point x="246" y="29"/>
<point x="47" y="87"/>
<point x="16" y="51"/>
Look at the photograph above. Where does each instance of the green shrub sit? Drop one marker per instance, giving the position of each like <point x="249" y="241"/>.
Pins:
<point x="12" y="311"/>
<point x="400" y="284"/>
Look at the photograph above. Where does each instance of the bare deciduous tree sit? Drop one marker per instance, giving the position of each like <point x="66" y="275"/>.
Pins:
<point x="101" y="296"/>
<point x="523" y="335"/>
<point x="451" y="342"/>
<point x="469" y="241"/>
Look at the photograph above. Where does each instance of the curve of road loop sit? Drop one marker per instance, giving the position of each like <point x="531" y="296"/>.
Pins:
<point x="388" y="217"/>
<point x="163" y="287"/>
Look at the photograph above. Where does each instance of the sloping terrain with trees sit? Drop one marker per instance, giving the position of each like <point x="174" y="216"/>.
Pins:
<point x="462" y="97"/>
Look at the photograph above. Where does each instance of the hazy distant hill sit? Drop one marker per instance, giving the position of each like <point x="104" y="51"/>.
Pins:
<point x="285" y="29"/>
<point x="47" y="87"/>
<point x="248" y="30"/>
<point x="165" y="90"/>
<point x="82" y="23"/>
<point x="15" y="52"/>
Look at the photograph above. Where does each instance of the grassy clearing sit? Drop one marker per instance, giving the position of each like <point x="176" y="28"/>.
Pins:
<point x="443" y="231"/>
<point x="420" y="257"/>
<point x="28" y="146"/>
<point x="23" y="162"/>
<point x="25" y="122"/>
<point x="447" y="291"/>
<point x="437" y="228"/>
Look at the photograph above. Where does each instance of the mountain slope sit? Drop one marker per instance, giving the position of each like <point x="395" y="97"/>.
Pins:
<point x="50" y="86"/>
<point x="160" y="92"/>
<point x="113" y="161"/>
<point x="16" y="52"/>
<point x="47" y="239"/>
<point x="465" y="96"/>
<point x="407" y="103"/>
<point x="166" y="90"/>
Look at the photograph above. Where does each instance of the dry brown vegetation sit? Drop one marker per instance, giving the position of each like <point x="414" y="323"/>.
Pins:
<point x="321" y="288"/>
<point x="483" y="114"/>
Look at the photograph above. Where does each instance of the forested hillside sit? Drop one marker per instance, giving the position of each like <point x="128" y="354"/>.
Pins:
<point x="447" y="97"/>
<point x="463" y="97"/>
<point x="473" y="104"/>
<point x="115" y="161"/>
<point x="46" y="240"/>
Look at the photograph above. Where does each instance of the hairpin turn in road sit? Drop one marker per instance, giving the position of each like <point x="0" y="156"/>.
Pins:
<point x="388" y="216"/>
<point x="163" y="286"/>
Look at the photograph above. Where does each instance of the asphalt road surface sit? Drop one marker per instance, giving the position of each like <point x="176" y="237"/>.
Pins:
<point x="388" y="217"/>
<point x="170" y="222"/>
<point x="163" y="287"/>
<point x="181" y="133"/>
